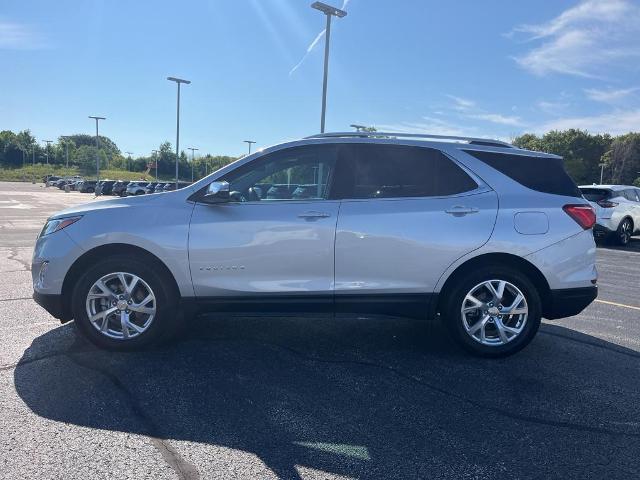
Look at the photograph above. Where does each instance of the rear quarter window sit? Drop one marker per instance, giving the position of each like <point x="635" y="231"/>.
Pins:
<point x="543" y="174"/>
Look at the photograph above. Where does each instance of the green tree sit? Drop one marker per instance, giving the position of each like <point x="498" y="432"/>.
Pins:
<point x="624" y="159"/>
<point x="581" y="151"/>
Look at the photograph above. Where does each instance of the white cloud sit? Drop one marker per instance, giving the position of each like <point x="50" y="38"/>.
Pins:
<point x="608" y="95"/>
<point x="497" y="118"/>
<point x="468" y="109"/>
<point x="306" y="54"/>
<point x="430" y="125"/>
<point x="15" y="36"/>
<point x="616" y="122"/>
<point x="583" y="39"/>
<point x="552" y="108"/>
<point x="461" y="103"/>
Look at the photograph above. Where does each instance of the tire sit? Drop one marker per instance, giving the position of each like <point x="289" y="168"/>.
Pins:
<point x="460" y="326"/>
<point x="624" y="232"/>
<point x="155" y="328"/>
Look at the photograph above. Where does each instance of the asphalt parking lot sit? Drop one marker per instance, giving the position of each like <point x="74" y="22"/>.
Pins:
<point x="313" y="397"/>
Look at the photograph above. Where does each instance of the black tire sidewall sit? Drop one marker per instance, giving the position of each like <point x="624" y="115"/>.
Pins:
<point x="453" y="317"/>
<point x="619" y="233"/>
<point x="166" y="302"/>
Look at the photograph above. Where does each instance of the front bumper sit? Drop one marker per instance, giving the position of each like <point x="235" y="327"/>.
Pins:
<point x="53" y="304"/>
<point x="569" y="301"/>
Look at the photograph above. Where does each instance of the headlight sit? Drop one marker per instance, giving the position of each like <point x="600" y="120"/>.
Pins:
<point x="57" y="224"/>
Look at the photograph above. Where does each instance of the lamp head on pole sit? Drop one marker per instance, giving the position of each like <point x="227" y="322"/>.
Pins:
<point x="179" y="80"/>
<point x="328" y="9"/>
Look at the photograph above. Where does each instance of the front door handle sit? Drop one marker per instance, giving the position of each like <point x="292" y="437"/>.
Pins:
<point x="313" y="214"/>
<point x="461" y="211"/>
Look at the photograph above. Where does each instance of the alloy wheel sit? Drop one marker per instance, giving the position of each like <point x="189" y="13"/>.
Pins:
<point x="625" y="232"/>
<point x="121" y="305"/>
<point x="494" y="312"/>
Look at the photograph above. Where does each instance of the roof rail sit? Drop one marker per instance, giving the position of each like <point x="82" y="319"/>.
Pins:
<point x="471" y="140"/>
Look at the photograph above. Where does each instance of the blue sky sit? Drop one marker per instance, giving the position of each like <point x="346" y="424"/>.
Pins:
<point x="483" y="68"/>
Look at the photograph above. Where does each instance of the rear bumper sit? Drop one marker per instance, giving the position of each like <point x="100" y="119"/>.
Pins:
<point x="600" y="231"/>
<point x="569" y="301"/>
<point x="53" y="304"/>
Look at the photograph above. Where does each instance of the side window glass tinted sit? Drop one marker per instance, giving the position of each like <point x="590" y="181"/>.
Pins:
<point x="392" y="171"/>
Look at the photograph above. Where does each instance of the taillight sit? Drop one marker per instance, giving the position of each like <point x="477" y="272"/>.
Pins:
<point x="606" y="204"/>
<point x="584" y="215"/>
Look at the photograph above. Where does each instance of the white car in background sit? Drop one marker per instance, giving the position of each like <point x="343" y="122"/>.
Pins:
<point x="617" y="211"/>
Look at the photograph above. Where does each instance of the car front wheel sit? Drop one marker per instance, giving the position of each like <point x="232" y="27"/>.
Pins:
<point x="121" y="303"/>
<point x="493" y="312"/>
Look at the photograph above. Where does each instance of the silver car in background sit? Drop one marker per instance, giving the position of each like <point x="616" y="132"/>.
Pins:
<point x="485" y="236"/>
<point x="136" y="188"/>
<point x="617" y="211"/>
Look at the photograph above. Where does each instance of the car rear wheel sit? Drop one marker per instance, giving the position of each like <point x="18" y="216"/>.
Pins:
<point x="493" y="312"/>
<point x="623" y="234"/>
<point x="122" y="303"/>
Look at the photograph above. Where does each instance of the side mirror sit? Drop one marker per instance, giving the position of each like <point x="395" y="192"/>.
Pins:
<point x="217" y="192"/>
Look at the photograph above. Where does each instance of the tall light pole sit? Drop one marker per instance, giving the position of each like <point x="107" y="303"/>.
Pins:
<point x="193" y="149"/>
<point x="155" y="160"/>
<point x="249" y="142"/>
<point x="48" y="142"/>
<point x="66" y="149"/>
<point x="178" y="81"/>
<point x="129" y="160"/>
<point x="97" y="119"/>
<point x="329" y="11"/>
<point x="33" y="162"/>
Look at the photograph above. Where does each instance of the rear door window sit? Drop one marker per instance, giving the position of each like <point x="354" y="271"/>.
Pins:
<point x="543" y="174"/>
<point x="395" y="171"/>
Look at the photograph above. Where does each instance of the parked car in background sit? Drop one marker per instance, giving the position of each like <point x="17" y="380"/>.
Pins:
<point x="150" y="187"/>
<point x="73" y="186"/>
<point x="170" y="186"/>
<point x="405" y="225"/>
<point x="50" y="180"/>
<point x="105" y="187"/>
<point x="87" y="186"/>
<point x="119" y="188"/>
<point x="617" y="211"/>
<point x="159" y="187"/>
<point x="136" y="188"/>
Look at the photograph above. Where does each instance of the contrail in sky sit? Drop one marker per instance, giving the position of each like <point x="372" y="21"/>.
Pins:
<point x="314" y="43"/>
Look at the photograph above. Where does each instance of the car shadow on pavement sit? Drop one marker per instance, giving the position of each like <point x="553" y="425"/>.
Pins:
<point x="372" y="398"/>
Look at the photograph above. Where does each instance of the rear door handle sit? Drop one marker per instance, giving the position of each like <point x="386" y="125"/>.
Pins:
<point x="313" y="214"/>
<point x="461" y="211"/>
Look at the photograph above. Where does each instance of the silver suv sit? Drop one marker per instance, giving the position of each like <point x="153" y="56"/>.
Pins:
<point x="617" y="211"/>
<point x="488" y="237"/>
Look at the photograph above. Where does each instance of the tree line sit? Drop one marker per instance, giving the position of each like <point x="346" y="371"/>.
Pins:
<point x="80" y="151"/>
<point x="586" y="156"/>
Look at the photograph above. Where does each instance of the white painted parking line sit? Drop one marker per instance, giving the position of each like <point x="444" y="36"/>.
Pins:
<point x="618" y="304"/>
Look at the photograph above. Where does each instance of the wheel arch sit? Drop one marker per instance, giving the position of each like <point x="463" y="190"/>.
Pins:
<point x="103" y="251"/>
<point x="498" y="259"/>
